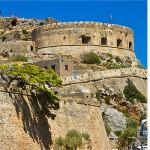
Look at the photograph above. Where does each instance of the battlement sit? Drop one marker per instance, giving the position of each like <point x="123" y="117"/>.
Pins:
<point x="81" y="24"/>
<point x="99" y="75"/>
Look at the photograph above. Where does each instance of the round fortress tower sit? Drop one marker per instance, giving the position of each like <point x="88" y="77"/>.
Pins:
<point x="75" y="38"/>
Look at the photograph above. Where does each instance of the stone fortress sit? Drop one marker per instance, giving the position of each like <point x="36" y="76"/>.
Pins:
<point x="77" y="37"/>
<point x="79" y="107"/>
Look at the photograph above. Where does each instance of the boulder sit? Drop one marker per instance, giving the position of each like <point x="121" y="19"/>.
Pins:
<point x="116" y="120"/>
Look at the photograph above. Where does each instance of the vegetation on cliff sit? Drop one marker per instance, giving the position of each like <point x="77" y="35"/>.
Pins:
<point x="40" y="81"/>
<point x="131" y="130"/>
<point x="18" y="58"/>
<point x="90" y="58"/>
<point x="135" y="94"/>
<point x="32" y="74"/>
<point x="73" y="140"/>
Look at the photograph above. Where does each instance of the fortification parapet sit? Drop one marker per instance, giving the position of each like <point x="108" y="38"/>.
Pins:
<point x="99" y="75"/>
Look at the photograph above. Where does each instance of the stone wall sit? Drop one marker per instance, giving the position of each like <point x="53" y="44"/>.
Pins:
<point x="18" y="47"/>
<point x="76" y="51"/>
<point x="85" y="34"/>
<point x="99" y="75"/>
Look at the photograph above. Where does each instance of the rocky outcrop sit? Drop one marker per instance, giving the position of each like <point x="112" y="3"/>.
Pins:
<point x="115" y="119"/>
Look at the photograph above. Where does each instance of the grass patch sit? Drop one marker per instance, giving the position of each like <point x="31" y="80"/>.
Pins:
<point x="72" y="141"/>
<point x="19" y="58"/>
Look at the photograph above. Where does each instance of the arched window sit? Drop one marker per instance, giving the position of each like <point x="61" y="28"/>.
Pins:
<point x="64" y="38"/>
<point x="119" y="43"/>
<point x="103" y="41"/>
<point x="130" y="45"/>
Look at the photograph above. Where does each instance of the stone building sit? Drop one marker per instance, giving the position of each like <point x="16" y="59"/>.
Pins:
<point x="11" y="48"/>
<point x="74" y="38"/>
<point x="61" y="65"/>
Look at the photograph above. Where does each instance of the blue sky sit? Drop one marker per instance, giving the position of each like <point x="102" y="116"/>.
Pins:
<point x="128" y="13"/>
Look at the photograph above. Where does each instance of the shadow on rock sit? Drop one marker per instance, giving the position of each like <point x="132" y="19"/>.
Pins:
<point x="34" y="110"/>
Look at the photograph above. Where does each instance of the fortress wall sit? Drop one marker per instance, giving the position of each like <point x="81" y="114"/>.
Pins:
<point x="18" y="47"/>
<point x="72" y="36"/>
<point x="133" y="72"/>
<point x="76" y="51"/>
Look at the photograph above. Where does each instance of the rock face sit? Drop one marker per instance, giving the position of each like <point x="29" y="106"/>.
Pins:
<point x="20" y="129"/>
<point x="116" y="120"/>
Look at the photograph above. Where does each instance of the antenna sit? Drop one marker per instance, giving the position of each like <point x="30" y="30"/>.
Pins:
<point x="0" y="13"/>
<point x="12" y="14"/>
<point x="110" y="18"/>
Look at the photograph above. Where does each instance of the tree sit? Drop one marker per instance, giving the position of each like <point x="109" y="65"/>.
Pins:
<point x="14" y="22"/>
<point x="135" y="94"/>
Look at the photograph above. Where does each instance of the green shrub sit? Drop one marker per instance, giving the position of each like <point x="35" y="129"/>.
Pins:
<point x="125" y="112"/>
<point x="72" y="141"/>
<point x="59" y="143"/>
<point x="132" y="123"/>
<point x="107" y="100"/>
<point x="98" y="96"/>
<point x="41" y="23"/>
<point x="3" y="67"/>
<point x="118" y="59"/>
<point x="24" y="31"/>
<point x="86" y="136"/>
<point x="19" y="58"/>
<point x="33" y="74"/>
<point x="110" y="55"/>
<point x="90" y="58"/>
<point x="108" y="129"/>
<point x="131" y="131"/>
<point x="118" y="133"/>
<point x="14" y="21"/>
<point x="111" y="65"/>
<point x="4" y="38"/>
<point x="131" y="93"/>
<point x="143" y="116"/>
<point x="124" y="139"/>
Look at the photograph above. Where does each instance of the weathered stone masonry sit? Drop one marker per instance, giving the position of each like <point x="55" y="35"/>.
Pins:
<point x="79" y="37"/>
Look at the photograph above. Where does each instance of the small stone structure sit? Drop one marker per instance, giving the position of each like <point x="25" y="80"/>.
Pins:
<point x="61" y="65"/>
<point x="78" y="92"/>
<point x="12" y="48"/>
